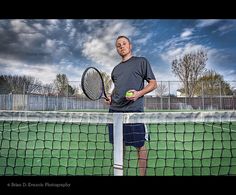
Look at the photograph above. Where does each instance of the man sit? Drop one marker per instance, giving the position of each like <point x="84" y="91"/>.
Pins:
<point x="129" y="75"/>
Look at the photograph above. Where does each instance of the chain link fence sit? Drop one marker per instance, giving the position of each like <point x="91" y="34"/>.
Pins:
<point x="170" y="95"/>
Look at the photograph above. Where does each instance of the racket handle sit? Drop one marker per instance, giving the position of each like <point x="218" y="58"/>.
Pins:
<point x="105" y="98"/>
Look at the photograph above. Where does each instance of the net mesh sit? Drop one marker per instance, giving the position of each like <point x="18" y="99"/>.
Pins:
<point x="52" y="143"/>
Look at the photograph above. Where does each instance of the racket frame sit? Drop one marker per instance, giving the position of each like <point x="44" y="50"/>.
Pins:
<point x="103" y="94"/>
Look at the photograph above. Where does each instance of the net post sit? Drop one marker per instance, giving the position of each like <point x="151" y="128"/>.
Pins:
<point x="118" y="143"/>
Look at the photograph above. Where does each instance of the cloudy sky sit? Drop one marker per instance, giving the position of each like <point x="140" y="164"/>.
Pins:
<point x="43" y="48"/>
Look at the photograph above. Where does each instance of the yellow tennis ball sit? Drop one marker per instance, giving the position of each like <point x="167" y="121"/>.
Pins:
<point x="128" y="94"/>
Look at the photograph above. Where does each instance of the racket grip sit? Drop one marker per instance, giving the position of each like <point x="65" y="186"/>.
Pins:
<point x="105" y="98"/>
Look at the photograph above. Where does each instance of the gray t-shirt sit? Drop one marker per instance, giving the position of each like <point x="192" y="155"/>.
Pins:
<point x="128" y="75"/>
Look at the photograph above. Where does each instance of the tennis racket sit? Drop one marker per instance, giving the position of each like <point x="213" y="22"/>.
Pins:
<point x="92" y="84"/>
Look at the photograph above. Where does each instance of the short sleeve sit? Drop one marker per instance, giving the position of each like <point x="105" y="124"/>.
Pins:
<point x="147" y="70"/>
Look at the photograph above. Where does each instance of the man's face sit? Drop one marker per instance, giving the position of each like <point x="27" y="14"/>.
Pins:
<point x="123" y="46"/>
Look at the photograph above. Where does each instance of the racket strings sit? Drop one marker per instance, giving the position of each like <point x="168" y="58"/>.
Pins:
<point x="93" y="85"/>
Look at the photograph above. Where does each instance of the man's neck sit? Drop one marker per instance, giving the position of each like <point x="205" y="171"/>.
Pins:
<point x="127" y="57"/>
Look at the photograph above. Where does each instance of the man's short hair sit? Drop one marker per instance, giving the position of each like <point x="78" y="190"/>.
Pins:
<point x="122" y="36"/>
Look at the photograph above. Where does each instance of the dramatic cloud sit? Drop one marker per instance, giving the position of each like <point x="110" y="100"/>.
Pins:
<point x="44" y="48"/>
<point x="187" y="32"/>
<point x="100" y="44"/>
<point x="206" y="23"/>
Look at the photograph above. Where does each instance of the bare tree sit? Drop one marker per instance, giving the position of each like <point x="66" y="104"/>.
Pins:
<point x="212" y="84"/>
<point x="4" y="86"/>
<point x="49" y="89"/>
<point x="22" y="84"/>
<point x="161" y="89"/>
<point x="189" y="69"/>
<point x="62" y="85"/>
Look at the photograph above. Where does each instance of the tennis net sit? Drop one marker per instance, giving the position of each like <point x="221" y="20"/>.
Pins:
<point x="74" y="143"/>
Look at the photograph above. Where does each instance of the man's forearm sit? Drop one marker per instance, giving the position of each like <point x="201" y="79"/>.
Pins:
<point x="148" y="88"/>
